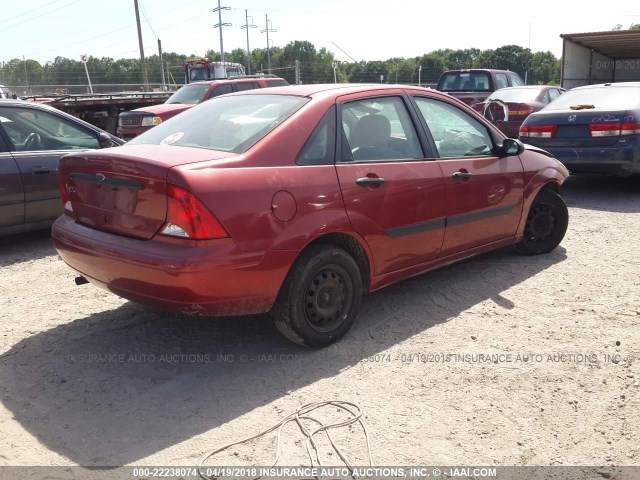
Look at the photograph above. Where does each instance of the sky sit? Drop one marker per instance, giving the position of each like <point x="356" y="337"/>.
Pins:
<point x="363" y="29"/>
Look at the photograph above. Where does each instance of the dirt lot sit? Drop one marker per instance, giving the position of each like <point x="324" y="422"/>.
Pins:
<point x="88" y="378"/>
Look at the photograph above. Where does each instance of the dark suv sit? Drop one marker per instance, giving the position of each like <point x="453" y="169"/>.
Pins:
<point x="475" y="85"/>
<point x="134" y="122"/>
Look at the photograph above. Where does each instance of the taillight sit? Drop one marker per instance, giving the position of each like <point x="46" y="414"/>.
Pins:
<point x="188" y="217"/>
<point x="538" y="131"/>
<point x="65" y="192"/>
<point x="613" y="129"/>
<point x="630" y="129"/>
<point x="605" y="129"/>
<point x="520" y="110"/>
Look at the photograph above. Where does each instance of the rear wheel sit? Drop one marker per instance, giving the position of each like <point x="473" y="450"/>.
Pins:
<point x="320" y="297"/>
<point x="547" y="223"/>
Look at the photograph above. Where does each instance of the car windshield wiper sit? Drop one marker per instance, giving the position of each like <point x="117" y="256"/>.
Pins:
<point x="582" y="107"/>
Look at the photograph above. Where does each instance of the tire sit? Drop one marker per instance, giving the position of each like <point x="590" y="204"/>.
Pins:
<point x="547" y="223"/>
<point x="320" y="297"/>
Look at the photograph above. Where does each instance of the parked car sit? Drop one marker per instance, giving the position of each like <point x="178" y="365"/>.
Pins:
<point x="33" y="137"/>
<point x="134" y="122"/>
<point x="475" y="85"/>
<point x="508" y="107"/>
<point x="298" y="200"/>
<point x="592" y="129"/>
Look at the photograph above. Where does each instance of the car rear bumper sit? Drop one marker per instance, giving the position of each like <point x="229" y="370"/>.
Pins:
<point x="213" y="278"/>
<point x="607" y="160"/>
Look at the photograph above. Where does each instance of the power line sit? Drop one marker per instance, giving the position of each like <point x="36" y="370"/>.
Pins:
<point x="41" y="15"/>
<point x="146" y="19"/>
<point x="48" y="4"/>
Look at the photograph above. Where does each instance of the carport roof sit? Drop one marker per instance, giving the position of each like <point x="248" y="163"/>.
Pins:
<point x="617" y="45"/>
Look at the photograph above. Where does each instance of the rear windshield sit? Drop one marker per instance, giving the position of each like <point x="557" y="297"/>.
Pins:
<point x="601" y="98"/>
<point x="521" y="95"/>
<point x="464" y="82"/>
<point x="190" y="94"/>
<point x="230" y="124"/>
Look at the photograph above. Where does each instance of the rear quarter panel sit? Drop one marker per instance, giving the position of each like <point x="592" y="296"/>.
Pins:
<point x="241" y="195"/>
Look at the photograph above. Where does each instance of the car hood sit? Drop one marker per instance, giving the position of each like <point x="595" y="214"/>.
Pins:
<point x="164" y="108"/>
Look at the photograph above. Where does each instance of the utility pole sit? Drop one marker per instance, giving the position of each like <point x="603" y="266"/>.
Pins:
<point x="267" y="29"/>
<point x="161" y="64"/>
<point x="145" y="79"/>
<point x="220" y="25"/>
<point x="297" y="71"/>
<point x="419" y="73"/>
<point x="248" y="26"/>
<point x="26" y="77"/>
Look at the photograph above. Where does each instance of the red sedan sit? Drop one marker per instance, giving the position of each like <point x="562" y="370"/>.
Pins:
<point x="507" y="108"/>
<point x="301" y="199"/>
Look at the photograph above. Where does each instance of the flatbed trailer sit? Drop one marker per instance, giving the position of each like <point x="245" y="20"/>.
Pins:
<point x="101" y="109"/>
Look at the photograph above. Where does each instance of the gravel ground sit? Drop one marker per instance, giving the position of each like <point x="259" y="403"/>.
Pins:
<point x="540" y="367"/>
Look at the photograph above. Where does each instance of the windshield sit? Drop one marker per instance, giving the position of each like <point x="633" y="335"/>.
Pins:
<point x="598" y="98"/>
<point x="520" y="95"/>
<point x="230" y="124"/>
<point x="189" y="94"/>
<point x="464" y="82"/>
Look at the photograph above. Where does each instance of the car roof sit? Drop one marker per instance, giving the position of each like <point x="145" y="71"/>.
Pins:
<point x="335" y="88"/>
<point x="246" y="78"/>
<point x="609" y="85"/>
<point x="529" y="87"/>
<point x="478" y="70"/>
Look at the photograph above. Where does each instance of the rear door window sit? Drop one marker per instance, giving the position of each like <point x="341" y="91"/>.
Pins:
<point x="379" y="129"/>
<point x="501" y="81"/>
<point x="516" y="81"/>
<point x="320" y="148"/>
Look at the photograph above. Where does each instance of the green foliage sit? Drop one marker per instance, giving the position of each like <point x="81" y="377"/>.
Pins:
<point x="315" y="66"/>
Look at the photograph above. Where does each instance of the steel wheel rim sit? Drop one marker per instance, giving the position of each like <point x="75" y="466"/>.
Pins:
<point x="327" y="298"/>
<point x="541" y="223"/>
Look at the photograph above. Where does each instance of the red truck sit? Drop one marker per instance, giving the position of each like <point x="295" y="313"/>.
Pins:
<point x="134" y="122"/>
<point x="475" y="85"/>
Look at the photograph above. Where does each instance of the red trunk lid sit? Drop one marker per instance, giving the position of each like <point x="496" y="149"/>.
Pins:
<point x="123" y="190"/>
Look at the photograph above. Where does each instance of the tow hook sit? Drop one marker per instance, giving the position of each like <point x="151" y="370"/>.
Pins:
<point x="81" y="280"/>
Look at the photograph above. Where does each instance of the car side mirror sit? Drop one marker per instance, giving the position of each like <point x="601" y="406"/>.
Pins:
<point x="512" y="147"/>
<point x="104" y="139"/>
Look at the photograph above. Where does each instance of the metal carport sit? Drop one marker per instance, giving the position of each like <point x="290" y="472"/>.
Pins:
<point x="600" y="57"/>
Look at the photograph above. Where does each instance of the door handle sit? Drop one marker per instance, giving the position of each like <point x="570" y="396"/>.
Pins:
<point x="462" y="176"/>
<point x="369" y="181"/>
<point x="39" y="170"/>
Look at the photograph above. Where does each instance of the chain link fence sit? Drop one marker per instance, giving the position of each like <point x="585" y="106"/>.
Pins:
<point x="68" y="77"/>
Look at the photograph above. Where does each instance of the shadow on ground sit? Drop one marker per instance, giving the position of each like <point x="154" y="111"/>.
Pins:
<point x="98" y="391"/>
<point x="26" y="246"/>
<point x="597" y="192"/>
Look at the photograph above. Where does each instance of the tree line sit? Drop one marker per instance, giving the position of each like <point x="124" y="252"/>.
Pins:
<point x="314" y="66"/>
